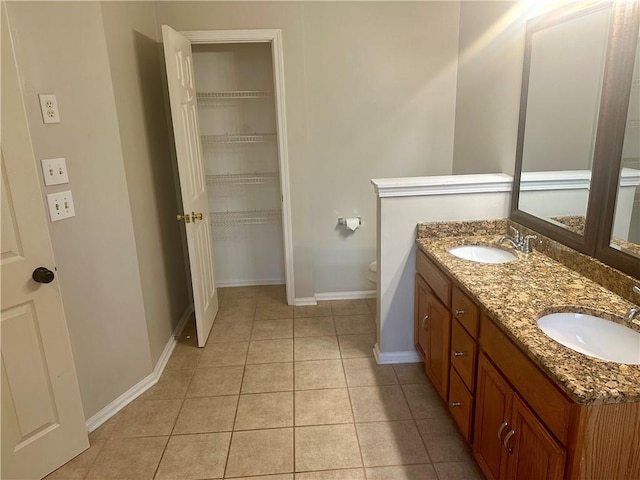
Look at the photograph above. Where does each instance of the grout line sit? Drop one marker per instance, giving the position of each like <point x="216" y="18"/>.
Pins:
<point x="353" y="415"/>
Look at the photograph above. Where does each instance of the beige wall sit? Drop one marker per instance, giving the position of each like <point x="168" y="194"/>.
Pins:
<point x="134" y="57"/>
<point x="61" y="49"/>
<point x="488" y="92"/>
<point x="370" y="92"/>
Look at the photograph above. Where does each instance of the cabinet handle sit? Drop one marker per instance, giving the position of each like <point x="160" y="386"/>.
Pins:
<point x="456" y="404"/>
<point x="502" y="427"/>
<point x="506" y="440"/>
<point x="459" y="312"/>
<point x="424" y="321"/>
<point x="458" y="354"/>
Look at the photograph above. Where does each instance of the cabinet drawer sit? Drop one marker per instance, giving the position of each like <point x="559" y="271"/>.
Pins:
<point x="466" y="311"/>
<point x="460" y="404"/>
<point x="463" y="354"/>
<point x="437" y="280"/>
<point x="542" y="395"/>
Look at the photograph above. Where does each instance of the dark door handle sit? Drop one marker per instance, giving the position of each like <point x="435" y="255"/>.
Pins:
<point x="42" y="275"/>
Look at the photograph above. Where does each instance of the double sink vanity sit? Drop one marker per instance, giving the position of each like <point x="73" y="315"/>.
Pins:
<point x="530" y="407"/>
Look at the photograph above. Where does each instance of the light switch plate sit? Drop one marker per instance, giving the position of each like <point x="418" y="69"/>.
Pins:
<point x="54" y="171"/>
<point x="49" y="108"/>
<point x="61" y="205"/>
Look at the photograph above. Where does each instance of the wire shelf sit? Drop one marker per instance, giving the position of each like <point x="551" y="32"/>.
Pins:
<point x="234" y="94"/>
<point x="252" y="217"/>
<point x="242" y="178"/>
<point x="237" y="138"/>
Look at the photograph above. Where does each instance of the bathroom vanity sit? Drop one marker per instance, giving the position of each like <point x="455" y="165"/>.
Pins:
<point x="528" y="406"/>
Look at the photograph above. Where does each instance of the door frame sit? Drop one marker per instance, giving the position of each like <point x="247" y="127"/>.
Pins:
<point x="274" y="37"/>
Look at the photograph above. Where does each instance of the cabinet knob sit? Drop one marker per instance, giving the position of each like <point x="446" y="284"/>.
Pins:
<point x="459" y="312"/>
<point x="424" y="321"/>
<point x="458" y="354"/>
<point x="456" y="404"/>
<point x="507" y="437"/>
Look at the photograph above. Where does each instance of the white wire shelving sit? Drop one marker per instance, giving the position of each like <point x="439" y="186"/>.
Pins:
<point x="251" y="217"/>
<point x="237" y="138"/>
<point x="242" y="178"/>
<point x="232" y="94"/>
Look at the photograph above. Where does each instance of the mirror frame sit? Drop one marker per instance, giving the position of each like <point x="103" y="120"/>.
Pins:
<point x="612" y="117"/>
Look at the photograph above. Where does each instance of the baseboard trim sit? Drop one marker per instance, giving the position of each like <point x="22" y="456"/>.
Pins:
<point x="251" y="283"/>
<point x="409" y="356"/>
<point x="305" y="301"/>
<point x="354" y="295"/>
<point x="143" y="385"/>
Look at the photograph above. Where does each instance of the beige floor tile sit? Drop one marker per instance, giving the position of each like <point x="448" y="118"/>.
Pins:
<point x="313" y="327"/>
<point x="319" y="374"/>
<point x="424" y="401"/>
<point x="270" y="329"/>
<point x="411" y="373"/>
<point x="236" y="313"/>
<point x="238" y="303"/>
<point x="357" y="346"/>
<point x="326" y="447"/>
<point x="316" y="348"/>
<point x="213" y="381"/>
<point x="265" y="410"/>
<point x="206" y="415"/>
<point x="322" y="309"/>
<point x="146" y="418"/>
<point x="404" y="472"/>
<point x="458" y="471"/>
<point x="184" y="357"/>
<point x="128" y="458"/>
<point x="78" y="467"/>
<point x="343" y="474"/>
<point x="271" y="294"/>
<point x="273" y="311"/>
<point x="349" y="307"/>
<point x="390" y="443"/>
<point x="107" y="429"/>
<point x="224" y="354"/>
<point x="322" y="407"/>
<point x="268" y="377"/>
<point x="230" y="332"/>
<point x="192" y="457"/>
<point x="362" y="372"/>
<point x="172" y="384"/>
<point x="352" y="324"/>
<point x="372" y="304"/>
<point x="379" y="403"/>
<point x="270" y="351"/>
<point x="283" y="476"/>
<point x="443" y="441"/>
<point x="260" y="452"/>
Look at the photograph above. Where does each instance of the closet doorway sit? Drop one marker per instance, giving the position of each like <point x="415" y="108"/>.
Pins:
<point x="237" y="127"/>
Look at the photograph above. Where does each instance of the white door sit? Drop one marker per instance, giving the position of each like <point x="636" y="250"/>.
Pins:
<point x="184" y="113"/>
<point x="43" y="424"/>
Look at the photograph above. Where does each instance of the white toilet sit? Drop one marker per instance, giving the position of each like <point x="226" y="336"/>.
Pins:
<point x="372" y="273"/>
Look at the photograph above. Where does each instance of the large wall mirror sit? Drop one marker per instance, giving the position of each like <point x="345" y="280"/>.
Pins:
<point x="578" y="157"/>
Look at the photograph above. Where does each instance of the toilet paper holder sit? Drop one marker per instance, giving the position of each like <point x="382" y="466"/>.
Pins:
<point x="343" y="221"/>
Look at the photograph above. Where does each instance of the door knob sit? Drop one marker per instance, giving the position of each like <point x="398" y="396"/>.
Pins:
<point x="196" y="216"/>
<point x="186" y="217"/>
<point x="42" y="275"/>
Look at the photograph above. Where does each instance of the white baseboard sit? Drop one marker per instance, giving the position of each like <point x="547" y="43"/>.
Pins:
<point x="409" y="356"/>
<point x="304" y="301"/>
<point x="354" y="295"/>
<point x="143" y="385"/>
<point x="250" y="283"/>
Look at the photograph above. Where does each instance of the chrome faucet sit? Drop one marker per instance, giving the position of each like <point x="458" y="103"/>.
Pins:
<point x="518" y="241"/>
<point x="633" y="314"/>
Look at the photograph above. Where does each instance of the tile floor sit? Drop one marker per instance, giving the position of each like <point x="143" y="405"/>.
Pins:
<point x="280" y="393"/>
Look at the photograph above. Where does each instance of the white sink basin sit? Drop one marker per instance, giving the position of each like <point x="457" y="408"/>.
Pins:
<point x="593" y="336"/>
<point x="482" y="254"/>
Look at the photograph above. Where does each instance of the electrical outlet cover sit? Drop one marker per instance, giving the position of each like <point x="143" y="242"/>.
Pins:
<point x="60" y="205"/>
<point x="54" y="171"/>
<point x="49" y="108"/>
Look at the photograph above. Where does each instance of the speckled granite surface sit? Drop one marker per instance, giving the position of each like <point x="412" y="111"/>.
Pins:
<point x="516" y="294"/>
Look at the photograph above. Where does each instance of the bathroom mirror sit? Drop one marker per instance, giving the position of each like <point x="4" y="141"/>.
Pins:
<point x="577" y="78"/>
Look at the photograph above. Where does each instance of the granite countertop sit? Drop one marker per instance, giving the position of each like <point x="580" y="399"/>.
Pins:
<point x="515" y="294"/>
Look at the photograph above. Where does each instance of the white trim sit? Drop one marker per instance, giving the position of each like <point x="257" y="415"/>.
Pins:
<point x="410" y="356"/>
<point x="305" y="301"/>
<point x="250" y="283"/>
<point x="143" y="385"/>
<point x="559" y="180"/>
<point x="442" y="185"/>
<point x="354" y="295"/>
<point x="273" y="36"/>
<point x="629" y="177"/>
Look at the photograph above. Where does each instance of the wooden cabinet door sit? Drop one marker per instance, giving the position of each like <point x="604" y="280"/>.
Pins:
<point x="438" y="325"/>
<point x="492" y="415"/>
<point x="420" y="312"/>
<point x="533" y="453"/>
